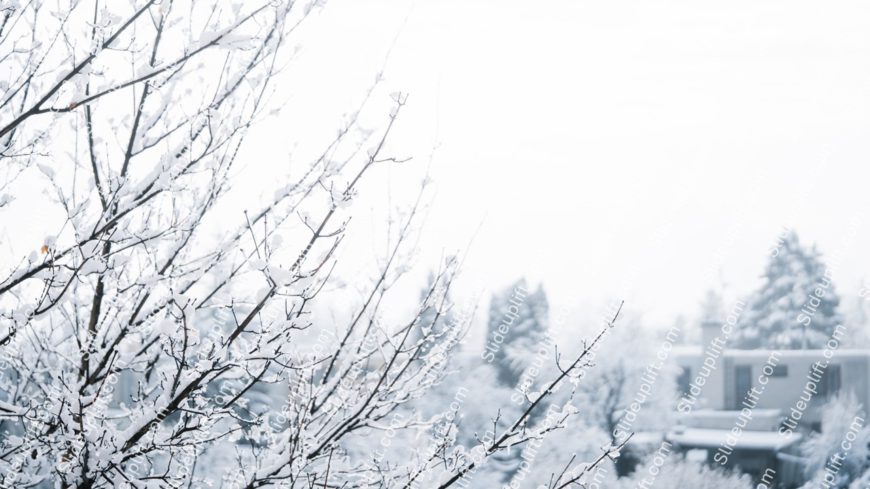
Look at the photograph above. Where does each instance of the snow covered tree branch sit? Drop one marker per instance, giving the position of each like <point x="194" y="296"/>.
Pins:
<point x="147" y="340"/>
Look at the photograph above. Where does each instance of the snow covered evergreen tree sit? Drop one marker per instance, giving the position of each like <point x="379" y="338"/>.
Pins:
<point x="431" y="325"/>
<point x="796" y="305"/>
<point x="517" y="326"/>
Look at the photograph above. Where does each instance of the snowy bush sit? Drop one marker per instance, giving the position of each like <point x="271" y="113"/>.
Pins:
<point x="840" y="454"/>
<point x="676" y="472"/>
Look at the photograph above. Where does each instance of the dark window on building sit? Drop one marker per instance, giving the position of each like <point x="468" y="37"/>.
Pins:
<point x="830" y="383"/>
<point x="683" y="380"/>
<point x="780" y="371"/>
<point x="742" y="384"/>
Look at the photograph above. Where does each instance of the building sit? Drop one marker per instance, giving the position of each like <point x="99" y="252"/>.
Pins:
<point x="749" y="409"/>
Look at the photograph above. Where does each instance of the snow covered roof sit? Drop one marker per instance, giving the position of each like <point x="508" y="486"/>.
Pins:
<point x="762" y="419"/>
<point x="718" y="413"/>
<point x="644" y="438"/>
<point x="691" y="350"/>
<point x="748" y="440"/>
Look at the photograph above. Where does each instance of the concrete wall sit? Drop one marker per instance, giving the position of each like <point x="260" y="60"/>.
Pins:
<point x="779" y="392"/>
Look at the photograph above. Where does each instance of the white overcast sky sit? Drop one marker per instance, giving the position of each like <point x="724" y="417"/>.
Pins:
<point x="644" y="150"/>
<point x="641" y="150"/>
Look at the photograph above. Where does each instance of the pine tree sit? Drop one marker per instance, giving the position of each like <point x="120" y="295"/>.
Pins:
<point x="431" y="321"/>
<point x="517" y="325"/>
<point x="796" y="306"/>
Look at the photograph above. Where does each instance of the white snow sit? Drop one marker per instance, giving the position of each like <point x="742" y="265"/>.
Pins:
<point x="748" y="440"/>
